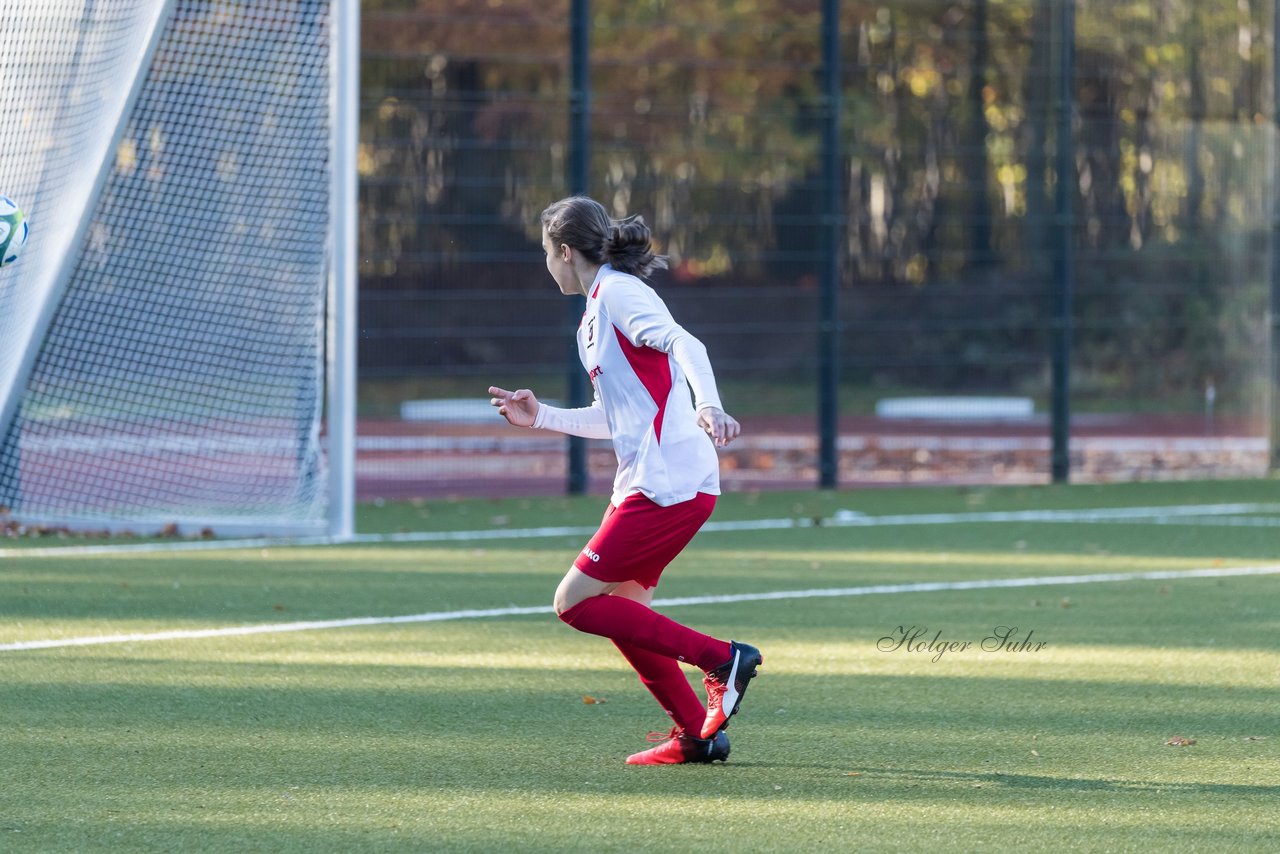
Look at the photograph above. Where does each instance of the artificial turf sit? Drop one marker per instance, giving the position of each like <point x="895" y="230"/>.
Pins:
<point x="475" y="734"/>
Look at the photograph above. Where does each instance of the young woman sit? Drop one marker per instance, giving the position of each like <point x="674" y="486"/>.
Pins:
<point x="642" y="366"/>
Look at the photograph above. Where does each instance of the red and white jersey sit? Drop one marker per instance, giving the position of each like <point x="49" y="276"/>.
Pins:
<point x="642" y="365"/>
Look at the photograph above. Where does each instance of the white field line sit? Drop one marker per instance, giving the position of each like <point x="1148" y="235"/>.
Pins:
<point x="819" y="593"/>
<point x="1193" y="514"/>
<point x="1219" y="521"/>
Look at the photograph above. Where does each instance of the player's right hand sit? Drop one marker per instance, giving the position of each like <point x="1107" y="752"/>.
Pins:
<point x="722" y="427"/>
<point x="519" y="407"/>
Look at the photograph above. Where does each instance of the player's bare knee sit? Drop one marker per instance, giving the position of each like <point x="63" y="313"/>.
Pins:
<point x="562" y="601"/>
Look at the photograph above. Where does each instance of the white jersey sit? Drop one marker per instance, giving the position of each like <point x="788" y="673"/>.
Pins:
<point x="641" y="365"/>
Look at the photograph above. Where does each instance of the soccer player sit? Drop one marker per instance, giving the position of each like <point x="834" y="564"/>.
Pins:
<point x="642" y="365"/>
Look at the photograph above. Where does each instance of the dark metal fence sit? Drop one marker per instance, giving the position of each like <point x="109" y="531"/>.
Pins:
<point x="988" y="205"/>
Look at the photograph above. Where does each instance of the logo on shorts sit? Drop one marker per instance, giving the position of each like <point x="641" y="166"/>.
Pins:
<point x="595" y="558"/>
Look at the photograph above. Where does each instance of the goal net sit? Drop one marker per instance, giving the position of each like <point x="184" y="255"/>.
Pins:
<point x="176" y="333"/>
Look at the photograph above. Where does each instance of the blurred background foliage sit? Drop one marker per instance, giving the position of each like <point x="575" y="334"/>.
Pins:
<point x="706" y="118"/>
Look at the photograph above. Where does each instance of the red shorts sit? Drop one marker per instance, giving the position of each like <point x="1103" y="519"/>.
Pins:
<point x="638" y="538"/>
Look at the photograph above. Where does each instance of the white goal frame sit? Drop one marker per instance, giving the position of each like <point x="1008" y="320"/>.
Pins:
<point x="339" y="333"/>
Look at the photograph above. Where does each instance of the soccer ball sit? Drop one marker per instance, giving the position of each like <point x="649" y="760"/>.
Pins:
<point x="13" y="230"/>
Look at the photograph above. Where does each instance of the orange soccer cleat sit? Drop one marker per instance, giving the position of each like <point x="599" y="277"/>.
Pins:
<point x="678" y="748"/>
<point x="726" y="685"/>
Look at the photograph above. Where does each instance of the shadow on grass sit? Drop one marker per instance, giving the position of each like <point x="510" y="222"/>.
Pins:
<point x="1072" y="784"/>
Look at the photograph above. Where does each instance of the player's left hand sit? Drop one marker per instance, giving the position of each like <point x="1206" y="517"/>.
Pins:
<point x="519" y="407"/>
<point x="722" y="427"/>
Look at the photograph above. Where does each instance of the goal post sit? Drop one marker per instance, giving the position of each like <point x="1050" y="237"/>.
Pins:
<point x="179" y="330"/>
<point x="343" y="311"/>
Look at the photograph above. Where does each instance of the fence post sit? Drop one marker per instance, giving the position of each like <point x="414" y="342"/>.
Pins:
<point x="829" y="308"/>
<point x="1063" y="260"/>
<point x="579" y="160"/>
<point x="1273" y="455"/>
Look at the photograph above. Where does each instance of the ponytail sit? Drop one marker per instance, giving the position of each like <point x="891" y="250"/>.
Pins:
<point x="629" y="247"/>
<point x="584" y="225"/>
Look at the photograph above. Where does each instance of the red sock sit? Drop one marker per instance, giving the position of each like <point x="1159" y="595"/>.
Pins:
<point x="668" y="685"/>
<point x="626" y="620"/>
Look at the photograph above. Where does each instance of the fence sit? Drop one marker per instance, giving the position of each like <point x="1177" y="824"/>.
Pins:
<point x="1120" y="286"/>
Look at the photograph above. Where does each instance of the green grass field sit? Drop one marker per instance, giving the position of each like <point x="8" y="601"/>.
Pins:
<point x="472" y="734"/>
